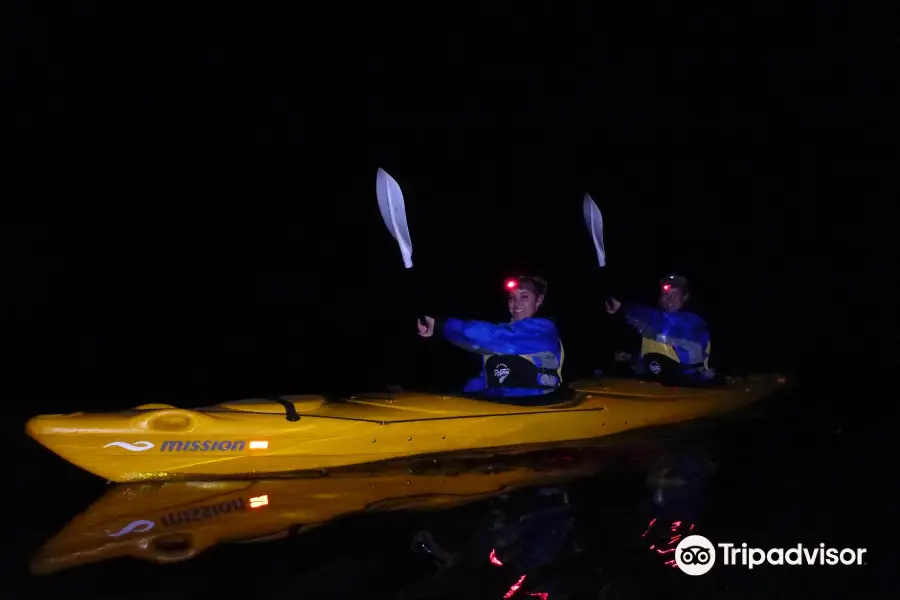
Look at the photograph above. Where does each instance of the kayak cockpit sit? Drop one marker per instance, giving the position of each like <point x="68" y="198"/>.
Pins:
<point x="564" y="395"/>
<point x="299" y="402"/>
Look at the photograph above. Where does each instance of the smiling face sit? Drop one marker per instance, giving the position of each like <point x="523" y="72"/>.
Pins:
<point x="672" y="298"/>
<point x="523" y="304"/>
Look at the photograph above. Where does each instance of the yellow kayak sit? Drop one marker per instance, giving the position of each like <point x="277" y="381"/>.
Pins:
<point x="173" y="521"/>
<point x="257" y="437"/>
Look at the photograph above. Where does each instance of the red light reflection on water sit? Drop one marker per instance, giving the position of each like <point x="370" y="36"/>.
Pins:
<point x="515" y="587"/>
<point x="676" y="525"/>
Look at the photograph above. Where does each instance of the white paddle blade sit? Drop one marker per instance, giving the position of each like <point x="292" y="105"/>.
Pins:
<point x="594" y="222"/>
<point x="393" y="212"/>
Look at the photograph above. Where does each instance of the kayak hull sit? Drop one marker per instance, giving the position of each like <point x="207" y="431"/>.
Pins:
<point x="257" y="437"/>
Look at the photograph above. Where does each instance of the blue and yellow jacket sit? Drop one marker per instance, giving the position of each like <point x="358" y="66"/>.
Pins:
<point x="523" y="358"/>
<point x="681" y="336"/>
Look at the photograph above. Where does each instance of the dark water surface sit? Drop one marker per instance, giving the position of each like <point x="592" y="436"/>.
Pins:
<point x="574" y="522"/>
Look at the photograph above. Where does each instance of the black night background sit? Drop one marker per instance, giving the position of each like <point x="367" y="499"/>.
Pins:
<point x="191" y="218"/>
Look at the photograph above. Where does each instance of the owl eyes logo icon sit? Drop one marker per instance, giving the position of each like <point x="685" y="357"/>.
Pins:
<point x="695" y="555"/>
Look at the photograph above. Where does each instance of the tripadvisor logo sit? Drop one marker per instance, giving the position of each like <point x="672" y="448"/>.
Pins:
<point x="696" y="555"/>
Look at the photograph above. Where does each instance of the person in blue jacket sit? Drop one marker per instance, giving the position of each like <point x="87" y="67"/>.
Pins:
<point x="675" y="343"/>
<point x="521" y="358"/>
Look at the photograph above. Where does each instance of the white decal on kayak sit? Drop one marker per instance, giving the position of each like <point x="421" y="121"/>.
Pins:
<point x="140" y="526"/>
<point x="501" y="372"/>
<point x="654" y="366"/>
<point x="135" y="447"/>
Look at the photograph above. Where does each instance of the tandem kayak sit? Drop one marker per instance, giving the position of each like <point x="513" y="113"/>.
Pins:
<point x="255" y="437"/>
<point x="174" y="521"/>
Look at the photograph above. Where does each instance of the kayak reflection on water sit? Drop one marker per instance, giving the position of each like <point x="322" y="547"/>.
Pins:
<point x="521" y="359"/>
<point x="174" y="521"/>
<point x="541" y="525"/>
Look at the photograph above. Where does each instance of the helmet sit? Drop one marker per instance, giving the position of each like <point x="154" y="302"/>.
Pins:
<point x="670" y="281"/>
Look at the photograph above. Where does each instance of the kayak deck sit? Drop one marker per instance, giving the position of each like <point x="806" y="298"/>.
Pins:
<point x="302" y="432"/>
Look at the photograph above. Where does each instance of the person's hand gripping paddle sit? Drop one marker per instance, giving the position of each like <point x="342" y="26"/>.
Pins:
<point x="393" y="213"/>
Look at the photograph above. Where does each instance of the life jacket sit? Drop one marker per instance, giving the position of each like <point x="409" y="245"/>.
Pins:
<point x="661" y="358"/>
<point x="539" y="370"/>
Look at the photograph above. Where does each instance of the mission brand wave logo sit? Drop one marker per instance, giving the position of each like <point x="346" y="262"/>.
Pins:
<point x="184" y="446"/>
<point x="139" y="526"/>
<point x="135" y="447"/>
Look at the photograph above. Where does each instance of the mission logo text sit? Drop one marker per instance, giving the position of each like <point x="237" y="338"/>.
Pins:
<point x="202" y="446"/>
<point x="184" y="446"/>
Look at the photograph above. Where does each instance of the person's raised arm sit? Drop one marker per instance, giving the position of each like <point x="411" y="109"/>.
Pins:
<point x="644" y="319"/>
<point x="521" y="337"/>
